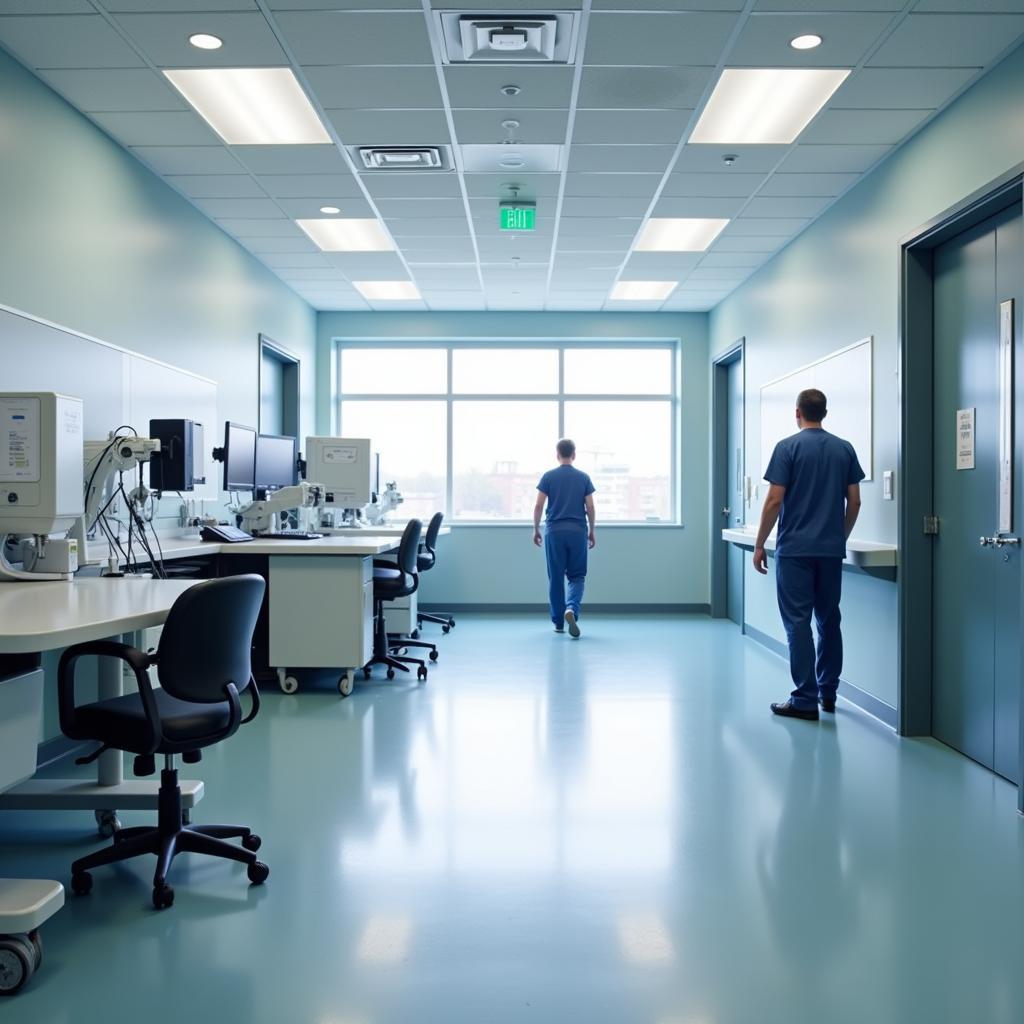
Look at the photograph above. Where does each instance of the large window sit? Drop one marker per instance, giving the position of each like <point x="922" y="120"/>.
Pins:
<point x="468" y="428"/>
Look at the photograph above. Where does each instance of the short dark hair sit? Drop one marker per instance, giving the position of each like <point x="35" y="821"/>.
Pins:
<point x="566" y="449"/>
<point x="812" y="404"/>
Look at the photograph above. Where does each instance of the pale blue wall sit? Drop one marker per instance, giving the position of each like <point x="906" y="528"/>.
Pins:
<point x="91" y="239"/>
<point x="631" y="565"/>
<point x="839" y="282"/>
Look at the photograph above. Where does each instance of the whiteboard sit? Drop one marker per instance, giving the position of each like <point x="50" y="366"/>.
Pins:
<point x="845" y="378"/>
<point x="116" y="386"/>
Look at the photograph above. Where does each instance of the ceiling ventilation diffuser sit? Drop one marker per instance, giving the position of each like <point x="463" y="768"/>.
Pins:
<point x="403" y="158"/>
<point x="521" y="38"/>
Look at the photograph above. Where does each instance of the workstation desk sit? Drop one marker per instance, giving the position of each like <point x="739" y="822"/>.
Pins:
<point x="868" y="556"/>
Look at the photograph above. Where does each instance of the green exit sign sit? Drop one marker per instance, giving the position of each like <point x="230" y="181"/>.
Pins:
<point x="518" y="216"/>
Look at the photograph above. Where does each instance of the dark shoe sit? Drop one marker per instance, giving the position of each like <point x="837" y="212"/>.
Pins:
<point x="559" y="629"/>
<point x="570" y="621"/>
<point x="827" y="705"/>
<point x="788" y="710"/>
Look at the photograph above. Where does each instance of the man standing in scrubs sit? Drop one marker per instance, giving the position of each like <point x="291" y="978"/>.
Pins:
<point x="568" y="535"/>
<point x="814" y="494"/>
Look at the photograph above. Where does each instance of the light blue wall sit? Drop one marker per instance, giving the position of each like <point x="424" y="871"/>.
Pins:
<point x="839" y="282"/>
<point x="91" y="239"/>
<point x="498" y="565"/>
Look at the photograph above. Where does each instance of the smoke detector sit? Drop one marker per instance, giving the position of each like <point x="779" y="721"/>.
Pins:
<point x="402" y="158"/>
<point x="523" y="37"/>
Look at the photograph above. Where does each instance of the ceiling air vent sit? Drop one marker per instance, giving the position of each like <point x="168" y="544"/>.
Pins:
<point x="404" y="158"/>
<point x="524" y="37"/>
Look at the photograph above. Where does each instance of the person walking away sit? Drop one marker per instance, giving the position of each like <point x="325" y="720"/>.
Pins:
<point x="568" y="535"/>
<point x="814" y="493"/>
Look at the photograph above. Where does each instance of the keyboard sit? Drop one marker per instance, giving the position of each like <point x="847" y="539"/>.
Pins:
<point x="290" y="535"/>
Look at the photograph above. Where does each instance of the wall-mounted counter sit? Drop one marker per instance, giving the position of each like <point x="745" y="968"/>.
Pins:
<point x="865" y="556"/>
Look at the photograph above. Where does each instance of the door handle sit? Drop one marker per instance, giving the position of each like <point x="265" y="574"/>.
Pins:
<point x="987" y="542"/>
<point x="1001" y="542"/>
<point x="726" y="512"/>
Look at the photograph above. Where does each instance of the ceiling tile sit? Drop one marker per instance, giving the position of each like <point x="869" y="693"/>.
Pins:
<point x="188" y="159"/>
<point x="727" y="183"/>
<point x="786" y="226"/>
<point x="487" y="207"/>
<point x="405" y="208"/>
<point x="310" y="186"/>
<point x="431" y="250"/>
<point x="749" y="159"/>
<point x="536" y="127"/>
<point x="948" y="40"/>
<point x="331" y="37"/>
<point x="255" y="208"/>
<point x="411" y="185"/>
<point x="643" y="88"/>
<point x="697" y="206"/>
<point x="764" y="40"/>
<point x="369" y="266"/>
<point x="532" y="186"/>
<point x="582" y="261"/>
<point x="216" y="186"/>
<point x="612" y="184"/>
<point x="786" y="206"/>
<point x="317" y="159"/>
<point x="909" y="88"/>
<point x="66" y="41"/>
<point x="592" y="227"/>
<point x="749" y="244"/>
<point x="638" y="39"/>
<point x="956" y="6"/>
<point x="807" y="184"/>
<point x="391" y="127"/>
<point x="625" y="127"/>
<point x="863" y="127"/>
<point x="497" y="159"/>
<point x="262" y="246"/>
<point x="449" y="279"/>
<point x="309" y="206"/>
<point x="748" y="260"/>
<point x="426" y="227"/>
<point x="48" y="7"/>
<point x="95" y="89"/>
<point x="117" y="6"/>
<point x="587" y="244"/>
<point x="248" y="40"/>
<point x="326" y="276"/>
<point x="348" y="88"/>
<point x="296" y="261"/>
<point x="260" y="228"/>
<point x="702" y="276"/>
<point x="830" y="5"/>
<point x="629" y="206"/>
<point x="833" y="159"/>
<point x="639" y="159"/>
<point x="656" y="266"/>
<point x="157" y="128"/>
<point x="480" y="86"/>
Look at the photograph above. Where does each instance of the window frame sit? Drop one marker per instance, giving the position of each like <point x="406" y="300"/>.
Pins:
<point x="673" y="397"/>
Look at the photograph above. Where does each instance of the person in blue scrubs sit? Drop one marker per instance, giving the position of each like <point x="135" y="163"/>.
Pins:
<point x="568" y="535"/>
<point x="814" y="494"/>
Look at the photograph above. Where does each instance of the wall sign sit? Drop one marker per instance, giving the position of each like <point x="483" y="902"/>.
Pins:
<point x="965" y="439"/>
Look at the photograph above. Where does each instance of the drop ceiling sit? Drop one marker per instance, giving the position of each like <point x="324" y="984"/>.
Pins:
<point x="615" y="124"/>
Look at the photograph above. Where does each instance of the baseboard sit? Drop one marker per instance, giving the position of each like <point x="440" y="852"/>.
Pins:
<point x="51" y="751"/>
<point x="848" y="692"/>
<point x="674" y="609"/>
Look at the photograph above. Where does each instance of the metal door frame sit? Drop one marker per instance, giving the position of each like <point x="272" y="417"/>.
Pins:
<point x="290" y="364"/>
<point x="719" y="568"/>
<point x="916" y="446"/>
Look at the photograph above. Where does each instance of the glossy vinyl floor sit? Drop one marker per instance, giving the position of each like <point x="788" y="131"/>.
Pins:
<point x="610" y="830"/>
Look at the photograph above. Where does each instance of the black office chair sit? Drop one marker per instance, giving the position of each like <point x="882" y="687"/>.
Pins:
<point x="203" y="663"/>
<point x="392" y="580"/>
<point x="427" y="560"/>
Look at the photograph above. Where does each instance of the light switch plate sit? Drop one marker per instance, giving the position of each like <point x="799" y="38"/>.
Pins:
<point x="887" y="485"/>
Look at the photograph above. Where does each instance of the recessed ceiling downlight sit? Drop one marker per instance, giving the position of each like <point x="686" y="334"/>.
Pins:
<point x="204" y="41"/>
<point x="807" y="42"/>
<point x="330" y="209"/>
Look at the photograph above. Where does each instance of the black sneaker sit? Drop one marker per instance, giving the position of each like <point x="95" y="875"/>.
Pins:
<point x="559" y="629"/>
<point x="789" y="710"/>
<point x="827" y="705"/>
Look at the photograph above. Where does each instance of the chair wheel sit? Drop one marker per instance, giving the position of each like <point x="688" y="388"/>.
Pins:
<point x="421" y="673"/>
<point x="346" y="684"/>
<point x="81" y="883"/>
<point x="163" y="897"/>
<point x="16" y="965"/>
<point x="289" y="684"/>
<point x="258" y="872"/>
<point x="391" y="673"/>
<point x="252" y="842"/>
<point x="446" y="629"/>
<point x="37" y="947"/>
<point x="107" y="823"/>
<point x="414" y="635"/>
<point x="366" y="673"/>
<point x="433" y="655"/>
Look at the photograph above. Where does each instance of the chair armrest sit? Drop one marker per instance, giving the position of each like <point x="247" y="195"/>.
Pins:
<point x="254" y="695"/>
<point x="139" y="663"/>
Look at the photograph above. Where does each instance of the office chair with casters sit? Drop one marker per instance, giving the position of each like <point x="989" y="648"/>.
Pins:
<point x="427" y="560"/>
<point x="203" y="663"/>
<point x="392" y="580"/>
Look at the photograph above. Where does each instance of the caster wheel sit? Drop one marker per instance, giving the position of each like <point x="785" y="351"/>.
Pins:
<point x="37" y="947"/>
<point x="446" y="629"/>
<point x="433" y="655"/>
<point x="16" y="965"/>
<point x="107" y="823"/>
<point x="421" y="674"/>
<point x="366" y="673"/>
<point x="258" y="872"/>
<point x="252" y="842"/>
<point x="163" y="897"/>
<point x="414" y="635"/>
<point x="289" y="684"/>
<point x="346" y="683"/>
<point x="391" y="673"/>
<point x="81" y="883"/>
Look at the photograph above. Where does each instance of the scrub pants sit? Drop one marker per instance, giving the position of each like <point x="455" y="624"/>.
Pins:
<point x="566" y="552"/>
<point x="805" y="586"/>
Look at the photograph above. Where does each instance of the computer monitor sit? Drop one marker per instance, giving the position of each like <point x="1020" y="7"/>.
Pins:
<point x="343" y="466"/>
<point x="239" y="457"/>
<point x="277" y="462"/>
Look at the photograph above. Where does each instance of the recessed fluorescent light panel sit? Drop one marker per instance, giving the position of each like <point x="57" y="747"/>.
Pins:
<point x="388" y="291"/>
<point x="251" y="106"/>
<point x="679" y="234"/>
<point x="347" y="234"/>
<point x="759" y="106"/>
<point x="643" y="291"/>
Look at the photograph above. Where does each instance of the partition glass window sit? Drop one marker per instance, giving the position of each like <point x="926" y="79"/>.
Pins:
<point x="468" y="427"/>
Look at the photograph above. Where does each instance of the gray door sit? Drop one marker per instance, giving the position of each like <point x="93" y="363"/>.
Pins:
<point x="977" y="605"/>
<point x="734" y="489"/>
<point x="271" y="394"/>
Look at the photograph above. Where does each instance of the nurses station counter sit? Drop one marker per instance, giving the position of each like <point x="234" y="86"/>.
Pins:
<point x="866" y="556"/>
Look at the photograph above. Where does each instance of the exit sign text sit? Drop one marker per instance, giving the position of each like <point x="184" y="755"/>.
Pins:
<point x="517" y="216"/>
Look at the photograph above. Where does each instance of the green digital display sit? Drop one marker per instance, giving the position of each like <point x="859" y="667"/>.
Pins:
<point x="517" y="216"/>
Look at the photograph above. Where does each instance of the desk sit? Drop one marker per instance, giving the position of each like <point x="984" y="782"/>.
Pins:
<point x="37" y="617"/>
<point x="871" y="557"/>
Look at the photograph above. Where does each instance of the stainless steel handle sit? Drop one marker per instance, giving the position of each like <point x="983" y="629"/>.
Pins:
<point x="1002" y="542"/>
<point x="986" y="542"/>
<point x="726" y="511"/>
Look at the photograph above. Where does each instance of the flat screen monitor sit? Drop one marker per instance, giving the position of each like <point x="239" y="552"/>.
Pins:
<point x="239" y="457"/>
<point x="277" y="462"/>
